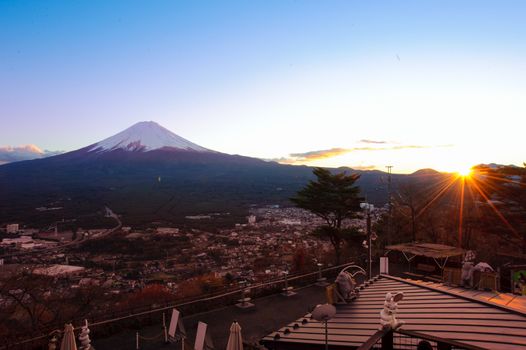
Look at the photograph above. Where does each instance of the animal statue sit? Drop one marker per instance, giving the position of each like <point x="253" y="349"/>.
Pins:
<point x="388" y="314"/>
<point x="85" y="341"/>
<point x="345" y="284"/>
<point x="468" y="267"/>
<point x="52" y="345"/>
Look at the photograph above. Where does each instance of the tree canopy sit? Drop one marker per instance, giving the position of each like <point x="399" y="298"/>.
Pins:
<point x="334" y="198"/>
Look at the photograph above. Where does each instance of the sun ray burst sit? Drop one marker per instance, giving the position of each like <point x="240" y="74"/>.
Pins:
<point x="441" y="191"/>
<point x="461" y="210"/>
<point x="496" y="210"/>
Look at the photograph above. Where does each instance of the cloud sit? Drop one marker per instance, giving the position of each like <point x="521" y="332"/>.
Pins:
<point x="282" y="160"/>
<point x="9" y="154"/>
<point x="322" y="154"/>
<point x="372" y="141"/>
<point x="334" y="152"/>
<point x="409" y="147"/>
<point x="363" y="167"/>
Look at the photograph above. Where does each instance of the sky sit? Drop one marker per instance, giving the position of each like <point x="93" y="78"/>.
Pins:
<point x="364" y="84"/>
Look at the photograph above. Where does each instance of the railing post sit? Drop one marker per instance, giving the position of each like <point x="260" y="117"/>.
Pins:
<point x="387" y="341"/>
<point x="287" y="291"/>
<point x="321" y="281"/>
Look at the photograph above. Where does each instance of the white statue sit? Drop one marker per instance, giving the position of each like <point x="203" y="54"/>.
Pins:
<point x="52" y="345"/>
<point x="468" y="267"/>
<point x="85" y="341"/>
<point x="484" y="267"/>
<point x="388" y="314"/>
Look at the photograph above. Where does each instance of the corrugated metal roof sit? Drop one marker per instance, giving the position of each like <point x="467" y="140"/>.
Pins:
<point x="433" y="309"/>
<point x="505" y="300"/>
<point x="431" y="250"/>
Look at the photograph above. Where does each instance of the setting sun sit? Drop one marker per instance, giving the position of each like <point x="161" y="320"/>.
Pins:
<point x="466" y="171"/>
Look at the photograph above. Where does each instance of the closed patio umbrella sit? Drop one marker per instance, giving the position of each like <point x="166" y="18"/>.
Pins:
<point x="68" y="339"/>
<point x="235" y="341"/>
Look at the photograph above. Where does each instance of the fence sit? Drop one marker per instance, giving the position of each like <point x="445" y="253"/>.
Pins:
<point x="113" y="322"/>
<point x="387" y="339"/>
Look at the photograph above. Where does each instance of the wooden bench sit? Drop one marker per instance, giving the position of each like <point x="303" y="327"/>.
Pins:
<point x="486" y="280"/>
<point x="333" y="295"/>
<point x="481" y="280"/>
<point x="452" y="275"/>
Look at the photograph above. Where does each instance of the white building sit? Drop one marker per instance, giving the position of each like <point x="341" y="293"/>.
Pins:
<point x="12" y="228"/>
<point x="252" y="219"/>
<point x="16" y="241"/>
<point x="292" y="222"/>
<point x="167" y="230"/>
<point x="58" y="270"/>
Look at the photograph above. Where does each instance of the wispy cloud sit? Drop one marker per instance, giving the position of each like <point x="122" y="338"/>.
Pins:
<point x="321" y="154"/>
<point x="282" y="160"/>
<point x="372" y="141"/>
<point x="363" y="167"/>
<point x="334" y="152"/>
<point x="9" y="154"/>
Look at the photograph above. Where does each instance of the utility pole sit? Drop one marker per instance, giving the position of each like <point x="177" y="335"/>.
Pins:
<point x="370" y="242"/>
<point x="389" y="203"/>
<point x="368" y="209"/>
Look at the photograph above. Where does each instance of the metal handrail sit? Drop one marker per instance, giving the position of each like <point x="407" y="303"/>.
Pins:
<point x="424" y="336"/>
<point x="385" y="336"/>
<point x="374" y="339"/>
<point x="180" y="303"/>
<point x="360" y="270"/>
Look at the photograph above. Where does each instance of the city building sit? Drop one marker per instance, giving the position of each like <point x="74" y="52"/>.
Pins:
<point x="12" y="228"/>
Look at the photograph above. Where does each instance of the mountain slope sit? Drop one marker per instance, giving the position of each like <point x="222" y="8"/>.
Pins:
<point x="147" y="173"/>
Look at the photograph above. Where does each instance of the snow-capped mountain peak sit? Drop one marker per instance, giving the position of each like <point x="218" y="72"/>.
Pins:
<point x="144" y="137"/>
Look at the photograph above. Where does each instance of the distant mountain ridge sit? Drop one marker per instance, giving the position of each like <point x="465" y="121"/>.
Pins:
<point x="147" y="173"/>
<point x="10" y="154"/>
<point x="426" y="171"/>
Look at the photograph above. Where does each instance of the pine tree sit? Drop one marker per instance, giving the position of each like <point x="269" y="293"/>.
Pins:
<point x="334" y="198"/>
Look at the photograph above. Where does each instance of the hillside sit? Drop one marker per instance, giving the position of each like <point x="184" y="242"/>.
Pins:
<point x="145" y="180"/>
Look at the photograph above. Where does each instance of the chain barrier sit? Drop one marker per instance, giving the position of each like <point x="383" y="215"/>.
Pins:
<point x="152" y="338"/>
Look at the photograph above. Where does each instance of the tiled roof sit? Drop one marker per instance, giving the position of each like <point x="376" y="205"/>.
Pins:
<point x="477" y="318"/>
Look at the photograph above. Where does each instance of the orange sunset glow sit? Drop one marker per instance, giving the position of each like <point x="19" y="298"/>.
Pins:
<point x="470" y="188"/>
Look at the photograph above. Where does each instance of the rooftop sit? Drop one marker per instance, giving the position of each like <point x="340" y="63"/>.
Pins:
<point x="57" y="270"/>
<point x="485" y="319"/>
<point x="432" y="250"/>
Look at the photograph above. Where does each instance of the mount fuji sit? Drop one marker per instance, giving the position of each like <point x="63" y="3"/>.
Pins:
<point x="149" y="142"/>
<point x="147" y="173"/>
<point x="144" y="137"/>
